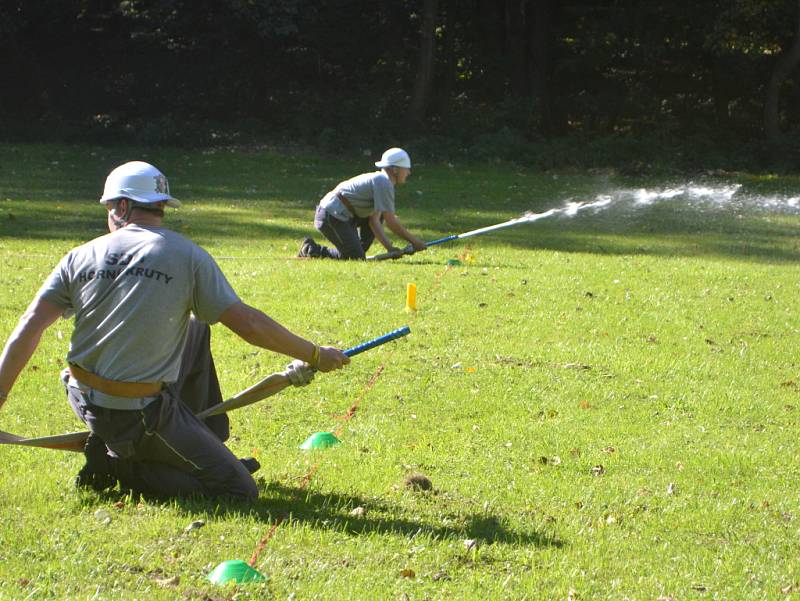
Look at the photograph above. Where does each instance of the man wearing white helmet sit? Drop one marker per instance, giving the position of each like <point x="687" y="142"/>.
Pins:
<point x="140" y="363"/>
<point x="351" y="215"/>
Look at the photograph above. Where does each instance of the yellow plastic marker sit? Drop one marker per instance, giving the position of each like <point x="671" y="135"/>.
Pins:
<point x="411" y="297"/>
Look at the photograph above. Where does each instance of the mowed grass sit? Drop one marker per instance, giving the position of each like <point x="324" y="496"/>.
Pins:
<point x="606" y="406"/>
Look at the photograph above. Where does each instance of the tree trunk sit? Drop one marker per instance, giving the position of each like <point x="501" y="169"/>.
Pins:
<point x="448" y="61"/>
<point x="721" y="89"/>
<point x="517" y="47"/>
<point x="420" y="98"/>
<point x="489" y="19"/>
<point x="552" y="122"/>
<point x="785" y="65"/>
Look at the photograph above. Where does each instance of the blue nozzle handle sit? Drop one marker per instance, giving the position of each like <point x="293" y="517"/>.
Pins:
<point x="365" y="346"/>
<point x="410" y="249"/>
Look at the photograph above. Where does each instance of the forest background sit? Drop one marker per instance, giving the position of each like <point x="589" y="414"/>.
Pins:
<point x="642" y="86"/>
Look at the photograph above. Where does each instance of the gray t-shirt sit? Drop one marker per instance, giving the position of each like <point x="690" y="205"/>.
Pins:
<point x="131" y="293"/>
<point x="368" y="193"/>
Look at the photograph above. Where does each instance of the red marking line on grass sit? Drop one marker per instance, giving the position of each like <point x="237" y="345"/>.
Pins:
<point x="437" y="278"/>
<point x="354" y="407"/>
<point x="306" y="480"/>
<point x="263" y="542"/>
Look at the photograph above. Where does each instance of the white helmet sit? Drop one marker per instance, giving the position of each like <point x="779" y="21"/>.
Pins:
<point x="139" y="181"/>
<point x="395" y="157"/>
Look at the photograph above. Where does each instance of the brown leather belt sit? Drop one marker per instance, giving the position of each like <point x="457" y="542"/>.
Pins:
<point x="129" y="390"/>
<point x="346" y="203"/>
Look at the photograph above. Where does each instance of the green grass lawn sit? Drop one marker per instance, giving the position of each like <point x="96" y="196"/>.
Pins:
<point x="606" y="406"/>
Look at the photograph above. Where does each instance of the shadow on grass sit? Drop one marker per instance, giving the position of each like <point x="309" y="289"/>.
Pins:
<point x="655" y="233"/>
<point x="659" y="230"/>
<point x="331" y="511"/>
<point x="49" y="222"/>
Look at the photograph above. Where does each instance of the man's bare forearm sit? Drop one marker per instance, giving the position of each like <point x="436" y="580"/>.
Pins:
<point x="377" y="229"/>
<point x="257" y="328"/>
<point x="260" y="330"/>
<point x="23" y="342"/>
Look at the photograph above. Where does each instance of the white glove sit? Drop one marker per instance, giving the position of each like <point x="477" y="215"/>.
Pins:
<point x="299" y="373"/>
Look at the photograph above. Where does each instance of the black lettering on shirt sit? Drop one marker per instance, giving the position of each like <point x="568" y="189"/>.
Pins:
<point x="112" y="274"/>
<point x="123" y="258"/>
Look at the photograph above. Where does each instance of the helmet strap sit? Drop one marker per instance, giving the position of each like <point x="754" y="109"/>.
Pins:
<point x="121" y="221"/>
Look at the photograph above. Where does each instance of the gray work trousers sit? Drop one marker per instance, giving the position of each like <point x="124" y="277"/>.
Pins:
<point x="351" y="238"/>
<point x="163" y="449"/>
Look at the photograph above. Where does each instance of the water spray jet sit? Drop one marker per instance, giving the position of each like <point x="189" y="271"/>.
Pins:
<point x="694" y="194"/>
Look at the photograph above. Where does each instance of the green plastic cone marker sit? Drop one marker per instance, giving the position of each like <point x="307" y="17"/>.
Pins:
<point x="320" y="440"/>
<point x="453" y="262"/>
<point x="237" y="571"/>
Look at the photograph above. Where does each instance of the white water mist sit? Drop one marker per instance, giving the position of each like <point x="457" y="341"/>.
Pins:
<point x="688" y="195"/>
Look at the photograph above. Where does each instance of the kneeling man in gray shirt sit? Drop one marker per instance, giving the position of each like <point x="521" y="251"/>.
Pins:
<point x="140" y="363"/>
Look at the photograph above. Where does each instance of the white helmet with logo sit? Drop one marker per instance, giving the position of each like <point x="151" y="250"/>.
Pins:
<point x="139" y="181"/>
<point x="395" y="157"/>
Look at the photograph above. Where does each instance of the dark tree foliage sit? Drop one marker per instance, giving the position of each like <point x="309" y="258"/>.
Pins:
<point x="338" y="72"/>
